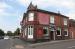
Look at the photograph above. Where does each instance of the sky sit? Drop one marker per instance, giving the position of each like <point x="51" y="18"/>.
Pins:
<point x="11" y="11"/>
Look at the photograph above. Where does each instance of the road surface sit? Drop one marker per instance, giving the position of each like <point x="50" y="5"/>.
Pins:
<point x="18" y="44"/>
<point x="5" y="44"/>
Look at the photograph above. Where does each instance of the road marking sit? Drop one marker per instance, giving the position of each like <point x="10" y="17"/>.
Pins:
<point x="71" y="47"/>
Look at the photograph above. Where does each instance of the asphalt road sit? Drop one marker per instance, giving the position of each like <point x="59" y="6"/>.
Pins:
<point x="60" y="45"/>
<point x="5" y="44"/>
<point x="12" y="44"/>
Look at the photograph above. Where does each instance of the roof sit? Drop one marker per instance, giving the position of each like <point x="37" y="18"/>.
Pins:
<point x="31" y="7"/>
<point x="49" y="12"/>
<point x="72" y="20"/>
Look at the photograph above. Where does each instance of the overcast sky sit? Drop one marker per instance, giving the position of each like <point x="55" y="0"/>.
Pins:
<point x="11" y="11"/>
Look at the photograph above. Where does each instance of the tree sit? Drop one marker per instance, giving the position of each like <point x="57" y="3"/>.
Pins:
<point x="2" y="32"/>
<point x="9" y="33"/>
<point x="17" y="32"/>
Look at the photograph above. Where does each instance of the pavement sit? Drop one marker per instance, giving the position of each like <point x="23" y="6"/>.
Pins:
<point x="69" y="44"/>
<point x="50" y="42"/>
<point x="20" y="44"/>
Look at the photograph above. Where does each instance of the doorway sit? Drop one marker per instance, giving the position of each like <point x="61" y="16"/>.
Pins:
<point x="52" y="35"/>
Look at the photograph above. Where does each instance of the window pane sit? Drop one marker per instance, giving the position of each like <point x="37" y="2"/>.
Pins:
<point x="31" y="17"/>
<point x="65" y="21"/>
<point x="65" y="32"/>
<point x="30" y="30"/>
<point x="45" y="31"/>
<point x="51" y="19"/>
<point x="58" y="32"/>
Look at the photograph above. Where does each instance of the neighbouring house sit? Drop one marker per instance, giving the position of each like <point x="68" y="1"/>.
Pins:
<point x="72" y="28"/>
<point x="38" y="24"/>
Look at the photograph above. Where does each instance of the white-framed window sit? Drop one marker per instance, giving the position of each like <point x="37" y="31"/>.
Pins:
<point x="65" y="32"/>
<point x="65" y="21"/>
<point x="45" y="31"/>
<point x="51" y="19"/>
<point x="30" y="30"/>
<point x="58" y="31"/>
<point x="31" y="16"/>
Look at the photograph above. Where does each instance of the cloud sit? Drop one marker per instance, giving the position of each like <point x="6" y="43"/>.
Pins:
<point x="3" y="5"/>
<point x="61" y="5"/>
<point x="68" y="4"/>
<point x="3" y="9"/>
<point x="8" y="19"/>
<point x="71" y="14"/>
<point x="24" y="2"/>
<point x="47" y="3"/>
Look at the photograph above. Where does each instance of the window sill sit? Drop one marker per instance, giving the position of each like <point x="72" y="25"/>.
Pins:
<point x="58" y="35"/>
<point x="66" y="35"/>
<point x="46" y="35"/>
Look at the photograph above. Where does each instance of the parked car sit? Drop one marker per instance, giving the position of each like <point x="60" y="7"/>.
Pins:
<point x="16" y="37"/>
<point x="6" y="37"/>
<point x="1" y="37"/>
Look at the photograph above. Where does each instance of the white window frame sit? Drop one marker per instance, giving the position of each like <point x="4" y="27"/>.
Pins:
<point x="52" y="19"/>
<point x="31" y="16"/>
<point x="30" y="31"/>
<point x="67" y="31"/>
<point x="60" y="31"/>
<point x="47" y="30"/>
<point x="65" y="21"/>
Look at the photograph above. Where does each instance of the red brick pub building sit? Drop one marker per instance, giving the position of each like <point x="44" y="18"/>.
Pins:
<point x="38" y="24"/>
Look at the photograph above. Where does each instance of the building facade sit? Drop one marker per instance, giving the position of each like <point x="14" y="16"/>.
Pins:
<point x="72" y="28"/>
<point x="38" y="24"/>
